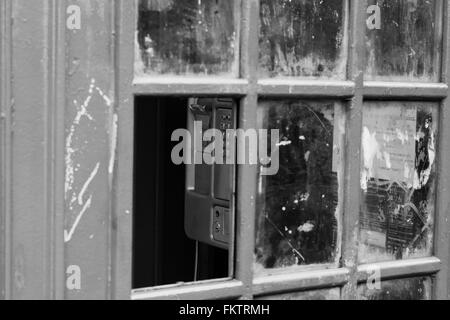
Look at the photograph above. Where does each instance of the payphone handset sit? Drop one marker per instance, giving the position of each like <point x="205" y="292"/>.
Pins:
<point x="209" y="205"/>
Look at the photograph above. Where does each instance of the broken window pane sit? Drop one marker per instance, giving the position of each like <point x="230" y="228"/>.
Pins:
<point x="299" y="209"/>
<point x="303" y="39"/>
<point x="187" y="37"/>
<point x="404" y="40"/>
<point x="404" y="289"/>
<point x="398" y="180"/>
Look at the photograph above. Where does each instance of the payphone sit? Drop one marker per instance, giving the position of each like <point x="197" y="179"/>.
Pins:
<point x="210" y="188"/>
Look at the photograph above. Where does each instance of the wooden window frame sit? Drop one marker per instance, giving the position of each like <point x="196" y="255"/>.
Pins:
<point x="248" y="89"/>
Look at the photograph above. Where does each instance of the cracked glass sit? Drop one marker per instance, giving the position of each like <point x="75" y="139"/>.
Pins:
<point x="299" y="209"/>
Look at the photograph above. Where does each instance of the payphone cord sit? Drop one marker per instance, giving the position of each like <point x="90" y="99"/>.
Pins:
<point x="196" y="261"/>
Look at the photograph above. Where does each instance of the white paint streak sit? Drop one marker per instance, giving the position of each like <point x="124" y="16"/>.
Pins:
<point x="284" y="143"/>
<point x="387" y="158"/>
<point x="307" y="227"/>
<point x="70" y="150"/>
<point x="88" y="182"/>
<point x="107" y="100"/>
<point x="371" y="150"/>
<point x="68" y="235"/>
<point x="113" y="145"/>
<point x="71" y="167"/>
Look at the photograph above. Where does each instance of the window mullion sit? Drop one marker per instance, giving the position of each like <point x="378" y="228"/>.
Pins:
<point x="442" y="238"/>
<point x="122" y="202"/>
<point x="353" y="148"/>
<point x="247" y="174"/>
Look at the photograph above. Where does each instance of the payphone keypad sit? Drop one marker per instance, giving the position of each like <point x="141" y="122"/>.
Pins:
<point x="224" y="122"/>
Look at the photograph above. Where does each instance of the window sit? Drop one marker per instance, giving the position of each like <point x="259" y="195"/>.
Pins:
<point x="404" y="289"/>
<point x="358" y="92"/>
<point x="188" y="37"/>
<point x="303" y="39"/>
<point x="164" y="252"/>
<point x="406" y="45"/>
<point x="299" y="213"/>
<point x="398" y="180"/>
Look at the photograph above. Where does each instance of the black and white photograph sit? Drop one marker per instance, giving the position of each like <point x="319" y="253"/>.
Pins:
<point x="254" y="152"/>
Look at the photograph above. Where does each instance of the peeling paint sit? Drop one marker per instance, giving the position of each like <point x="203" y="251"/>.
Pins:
<point x="371" y="150"/>
<point x="398" y="180"/>
<point x="421" y="180"/>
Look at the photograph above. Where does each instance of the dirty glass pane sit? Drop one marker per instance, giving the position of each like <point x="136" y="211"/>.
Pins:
<point x="303" y="39"/>
<point x="404" y="289"/>
<point x="315" y="295"/>
<point x="398" y="180"/>
<point x="403" y="40"/>
<point x="187" y="37"/>
<point x="299" y="212"/>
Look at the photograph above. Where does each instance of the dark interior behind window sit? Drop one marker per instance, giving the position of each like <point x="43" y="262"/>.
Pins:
<point x="162" y="253"/>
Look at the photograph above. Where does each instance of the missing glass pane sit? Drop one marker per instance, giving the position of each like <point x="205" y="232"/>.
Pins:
<point x="398" y="180"/>
<point x="303" y="39"/>
<point x="163" y="252"/>
<point x="187" y="37"/>
<point x="299" y="210"/>
<point x="406" y="43"/>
